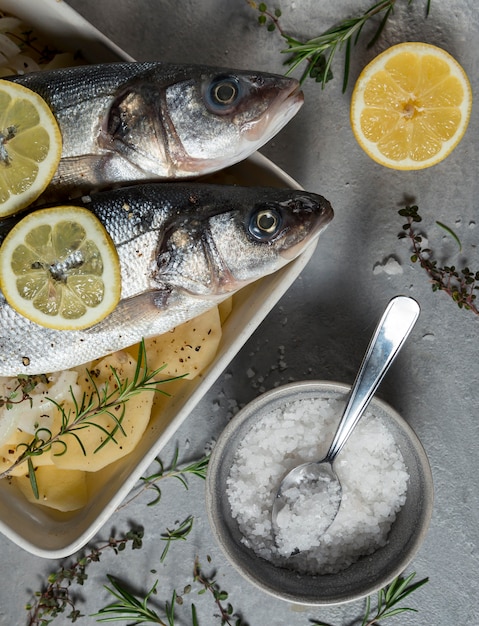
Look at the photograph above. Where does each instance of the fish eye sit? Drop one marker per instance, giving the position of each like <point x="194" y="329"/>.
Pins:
<point x="265" y="224"/>
<point x="222" y="94"/>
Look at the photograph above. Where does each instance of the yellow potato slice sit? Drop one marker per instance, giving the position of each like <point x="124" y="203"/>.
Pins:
<point x="188" y="349"/>
<point x="64" y="490"/>
<point x="134" y="421"/>
<point x="9" y="452"/>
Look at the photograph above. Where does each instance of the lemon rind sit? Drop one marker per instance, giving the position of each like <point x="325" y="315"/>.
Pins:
<point x="46" y="167"/>
<point x="111" y="275"/>
<point x="358" y="105"/>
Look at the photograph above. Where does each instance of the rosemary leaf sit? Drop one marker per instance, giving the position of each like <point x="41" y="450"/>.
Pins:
<point x="110" y="400"/>
<point x="33" y="478"/>
<point x="450" y="232"/>
<point x="312" y="51"/>
<point x="128" y="607"/>
<point x="176" y="534"/>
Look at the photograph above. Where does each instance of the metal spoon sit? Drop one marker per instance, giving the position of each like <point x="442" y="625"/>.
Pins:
<point x="319" y="477"/>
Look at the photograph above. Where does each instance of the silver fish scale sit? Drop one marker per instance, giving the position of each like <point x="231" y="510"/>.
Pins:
<point x="124" y="122"/>
<point x="183" y="248"/>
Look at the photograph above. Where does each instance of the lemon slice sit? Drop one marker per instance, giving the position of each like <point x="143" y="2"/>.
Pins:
<point x="411" y="106"/>
<point x="30" y="146"/>
<point x="60" y="268"/>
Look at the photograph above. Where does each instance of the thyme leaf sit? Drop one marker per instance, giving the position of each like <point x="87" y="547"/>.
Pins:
<point x="56" y="597"/>
<point x="461" y="284"/>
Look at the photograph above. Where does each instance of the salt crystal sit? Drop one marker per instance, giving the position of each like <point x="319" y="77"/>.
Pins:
<point x="390" y="266"/>
<point x="371" y="470"/>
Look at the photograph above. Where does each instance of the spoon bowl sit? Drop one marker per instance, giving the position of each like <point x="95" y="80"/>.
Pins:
<point x="316" y="484"/>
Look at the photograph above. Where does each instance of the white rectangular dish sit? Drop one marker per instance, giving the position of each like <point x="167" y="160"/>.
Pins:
<point x="51" y="534"/>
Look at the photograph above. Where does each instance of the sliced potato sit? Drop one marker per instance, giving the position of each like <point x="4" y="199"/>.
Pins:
<point x="64" y="490"/>
<point x="189" y="348"/>
<point x="9" y="452"/>
<point x="134" y="422"/>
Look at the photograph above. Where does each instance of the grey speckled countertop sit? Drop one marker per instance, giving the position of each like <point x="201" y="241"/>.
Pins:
<point x="322" y="325"/>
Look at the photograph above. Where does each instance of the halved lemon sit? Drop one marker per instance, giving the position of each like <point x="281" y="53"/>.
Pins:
<point x="411" y="106"/>
<point x="30" y="146"/>
<point x="60" y="268"/>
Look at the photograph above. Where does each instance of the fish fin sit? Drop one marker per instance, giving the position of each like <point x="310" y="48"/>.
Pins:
<point x="148" y="306"/>
<point x="81" y="175"/>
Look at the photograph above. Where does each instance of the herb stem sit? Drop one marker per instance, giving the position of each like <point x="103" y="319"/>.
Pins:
<point x="108" y="400"/>
<point x="55" y="598"/>
<point x="319" y="52"/>
<point x="195" y="468"/>
<point x="460" y="284"/>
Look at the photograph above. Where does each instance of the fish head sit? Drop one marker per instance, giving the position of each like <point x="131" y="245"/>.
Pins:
<point x="199" y="120"/>
<point x="219" y="251"/>
<point x="222" y="116"/>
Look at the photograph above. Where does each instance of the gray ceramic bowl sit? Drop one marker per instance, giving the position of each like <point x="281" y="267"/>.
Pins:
<point x="360" y="579"/>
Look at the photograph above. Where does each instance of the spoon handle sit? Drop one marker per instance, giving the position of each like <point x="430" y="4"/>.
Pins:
<point x="394" y="326"/>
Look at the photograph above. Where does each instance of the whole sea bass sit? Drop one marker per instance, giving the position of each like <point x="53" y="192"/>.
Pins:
<point x="183" y="247"/>
<point x="125" y="122"/>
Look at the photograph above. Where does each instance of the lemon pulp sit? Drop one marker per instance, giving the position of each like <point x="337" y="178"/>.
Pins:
<point x="30" y="146"/>
<point x="60" y="269"/>
<point x="411" y="106"/>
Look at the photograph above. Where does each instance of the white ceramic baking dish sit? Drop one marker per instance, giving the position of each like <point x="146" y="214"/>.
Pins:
<point x="43" y="531"/>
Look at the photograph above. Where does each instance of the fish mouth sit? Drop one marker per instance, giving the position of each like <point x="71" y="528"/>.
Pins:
<point x="323" y="219"/>
<point x="278" y="99"/>
<point x="287" y="103"/>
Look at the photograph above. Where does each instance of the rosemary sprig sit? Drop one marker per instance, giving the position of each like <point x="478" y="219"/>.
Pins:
<point x="319" y="52"/>
<point x="460" y="284"/>
<point x="180" y="533"/>
<point x="56" y="597"/>
<point x="195" y="468"/>
<point x="108" y="399"/>
<point x="129" y="607"/>
<point x="388" y="599"/>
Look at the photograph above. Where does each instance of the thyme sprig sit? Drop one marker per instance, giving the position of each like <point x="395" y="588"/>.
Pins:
<point x="109" y="399"/>
<point x="25" y="38"/>
<point x="388" y="599"/>
<point x="228" y="616"/>
<point x="56" y="598"/>
<point x="22" y="389"/>
<point x="319" y="52"/>
<point x="460" y="284"/>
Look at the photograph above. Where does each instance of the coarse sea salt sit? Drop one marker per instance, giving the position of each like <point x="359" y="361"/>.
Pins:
<point x="370" y="467"/>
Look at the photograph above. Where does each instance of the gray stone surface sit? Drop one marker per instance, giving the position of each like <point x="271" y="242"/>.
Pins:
<point x="322" y="325"/>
